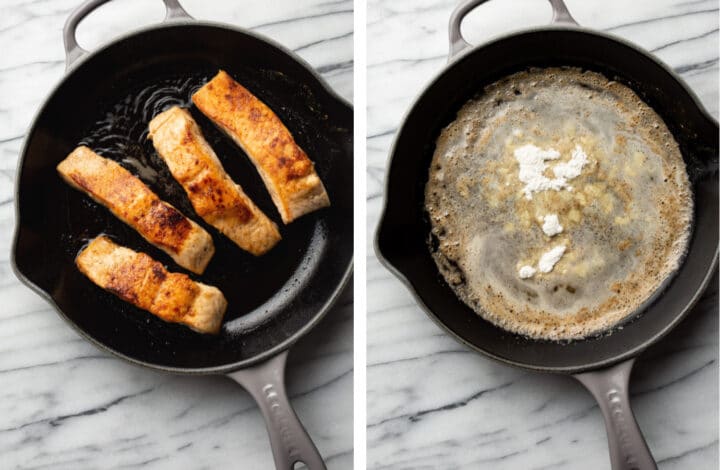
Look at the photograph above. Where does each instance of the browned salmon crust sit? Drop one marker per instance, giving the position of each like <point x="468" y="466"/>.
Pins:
<point x="135" y="204"/>
<point x="140" y="280"/>
<point x="216" y="198"/>
<point x="288" y="173"/>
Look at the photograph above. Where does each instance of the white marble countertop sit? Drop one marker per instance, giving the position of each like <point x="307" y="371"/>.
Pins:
<point x="434" y="404"/>
<point x="63" y="403"/>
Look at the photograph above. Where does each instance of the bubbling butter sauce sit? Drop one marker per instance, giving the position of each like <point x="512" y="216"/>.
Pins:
<point x="559" y="203"/>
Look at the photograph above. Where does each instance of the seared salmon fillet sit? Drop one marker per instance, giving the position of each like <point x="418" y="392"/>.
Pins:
<point x="140" y="280"/>
<point x="111" y="185"/>
<point x="216" y="198"/>
<point x="285" y="168"/>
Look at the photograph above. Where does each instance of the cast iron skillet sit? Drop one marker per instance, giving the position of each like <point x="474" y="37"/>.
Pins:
<point x="602" y="363"/>
<point x="106" y="100"/>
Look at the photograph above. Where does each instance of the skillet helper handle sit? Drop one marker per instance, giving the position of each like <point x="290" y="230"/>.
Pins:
<point x="289" y="440"/>
<point x="628" y="449"/>
<point x="459" y="44"/>
<point x="73" y="51"/>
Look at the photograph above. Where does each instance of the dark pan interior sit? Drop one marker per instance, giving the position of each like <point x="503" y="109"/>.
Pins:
<point x="106" y="103"/>
<point x="403" y="231"/>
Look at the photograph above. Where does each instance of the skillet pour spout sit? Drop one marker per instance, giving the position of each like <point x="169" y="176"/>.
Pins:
<point x="603" y="363"/>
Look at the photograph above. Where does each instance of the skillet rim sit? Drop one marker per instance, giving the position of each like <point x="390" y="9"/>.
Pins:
<point x="220" y="369"/>
<point x="405" y="279"/>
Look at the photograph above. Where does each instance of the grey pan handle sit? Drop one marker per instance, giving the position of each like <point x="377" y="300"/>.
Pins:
<point x="628" y="450"/>
<point x="459" y="44"/>
<point x="289" y="441"/>
<point x="73" y="51"/>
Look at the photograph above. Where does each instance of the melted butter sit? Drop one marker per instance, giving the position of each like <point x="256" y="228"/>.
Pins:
<point x="625" y="215"/>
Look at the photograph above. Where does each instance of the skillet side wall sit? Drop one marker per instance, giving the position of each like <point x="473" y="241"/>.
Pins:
<point x="402" y="235"/>
<point x="44" y="250"/>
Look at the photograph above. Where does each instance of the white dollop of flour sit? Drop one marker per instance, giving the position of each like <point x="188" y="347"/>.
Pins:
<point x="551" y="225"/>
<point x="532" y="166"/>
<point x="546" y="264"/>
<point x="532" y="160"/>
<point x="550" y="258"/>
<point x="526" y="272"/>
<point x="573" y="168"/>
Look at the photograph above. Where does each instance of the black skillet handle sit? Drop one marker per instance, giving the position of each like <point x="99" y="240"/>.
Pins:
<point x="73" y="51"/>
<point x="458" y="43"/>
<point x="628" y="449"/>
<point x="289" y="440"/>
